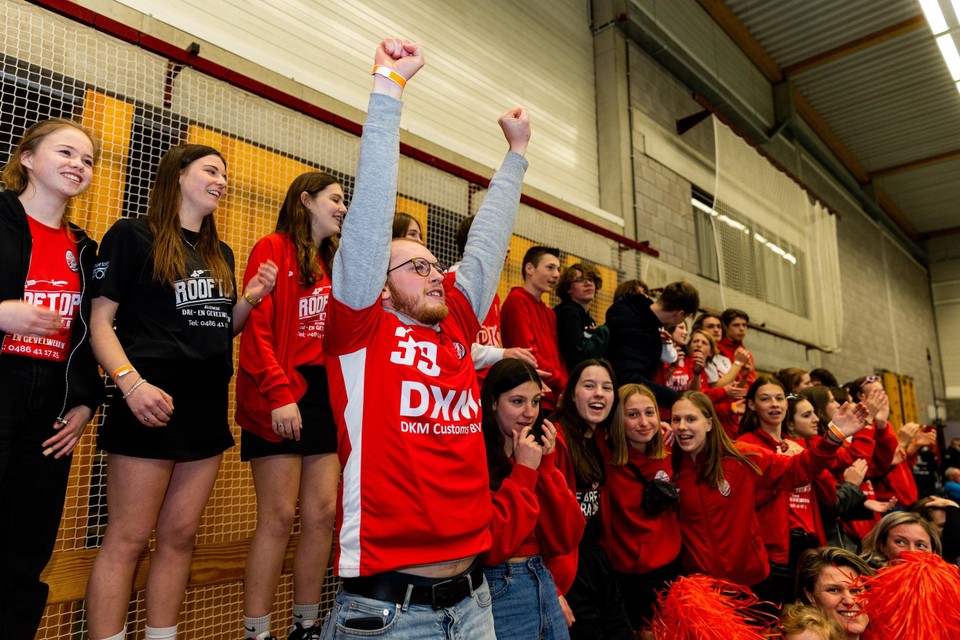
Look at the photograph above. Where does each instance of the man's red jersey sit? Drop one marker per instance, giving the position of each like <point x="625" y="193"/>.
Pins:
<point x="415" y="483"/>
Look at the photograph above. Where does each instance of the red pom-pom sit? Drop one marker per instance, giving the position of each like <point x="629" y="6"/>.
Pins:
<point x="699" y="607"/>
<point x="916" y="598"/>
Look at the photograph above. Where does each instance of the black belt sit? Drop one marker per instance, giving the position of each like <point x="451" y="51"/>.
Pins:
<point x="439" y="595"/>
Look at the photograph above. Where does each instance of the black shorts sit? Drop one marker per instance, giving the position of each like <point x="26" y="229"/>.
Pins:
<point x="595" y="599"/>
<point x="197" y="429"/>
<point x="318" y="433"/>
<point x="639" y="591"/>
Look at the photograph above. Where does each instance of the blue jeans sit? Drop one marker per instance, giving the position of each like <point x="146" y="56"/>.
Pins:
<point x="469" y="619"/>
<point x="525" y="602"/>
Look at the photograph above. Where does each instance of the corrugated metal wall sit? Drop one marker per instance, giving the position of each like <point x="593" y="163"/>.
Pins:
<point x="482" y="59"/>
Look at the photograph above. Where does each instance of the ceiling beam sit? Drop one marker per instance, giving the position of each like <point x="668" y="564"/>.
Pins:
<point x="854" y="46"/>
<point x="806" y="111"/>
<point x="731" y="24"/>
<point x="888" y="205"/>
<point x="915" y="164"/>
<point x="738" y="32"/>
<point x="939" y="233"/>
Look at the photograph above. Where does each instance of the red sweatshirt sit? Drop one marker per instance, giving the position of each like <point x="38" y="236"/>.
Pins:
<point x="877" y="447"/>
<point x="805" y="502"/>
<point x="534" y="513"/>
<point x="679" y="377"/>
<point x="564" y="567"/>
<point x="634" y="541"/>
<point x="721" y="533"/>
<point x="528" y="323"/>
<point x="266" y="378"/>
<point x="729" y="414"/>
<point x="898" y="483"/>
<point x="773" y="507"/>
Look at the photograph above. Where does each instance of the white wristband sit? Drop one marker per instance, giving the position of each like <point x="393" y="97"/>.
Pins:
<point x="387" y="72"/>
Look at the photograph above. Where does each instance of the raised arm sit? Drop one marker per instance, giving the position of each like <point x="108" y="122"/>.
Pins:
<point x="360" y="265"/>
<point x="788" y="472"/>
<point x="490" y="233"/>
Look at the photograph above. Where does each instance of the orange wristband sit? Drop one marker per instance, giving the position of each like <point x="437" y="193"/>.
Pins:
<point x="122" y="371"/>
<point x="835" y="430"/>
<point x="387" y="72"/>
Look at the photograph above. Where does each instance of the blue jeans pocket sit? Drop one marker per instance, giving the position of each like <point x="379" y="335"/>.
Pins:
<point x="498" y="583"/>
<point x="482" y="595"/>
<point x="365" y="618"/>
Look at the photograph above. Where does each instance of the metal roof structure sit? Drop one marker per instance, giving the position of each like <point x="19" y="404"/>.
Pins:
<point x="873" y="74"/>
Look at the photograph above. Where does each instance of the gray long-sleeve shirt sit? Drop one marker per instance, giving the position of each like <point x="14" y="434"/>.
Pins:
<point x="360" y="265"/>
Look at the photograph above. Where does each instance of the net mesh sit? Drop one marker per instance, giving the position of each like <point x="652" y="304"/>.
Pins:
<point x="774" y="250"/>
<point x="140" y="105"/>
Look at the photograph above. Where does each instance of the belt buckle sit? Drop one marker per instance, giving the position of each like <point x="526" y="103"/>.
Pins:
<point x="449" y="592"/>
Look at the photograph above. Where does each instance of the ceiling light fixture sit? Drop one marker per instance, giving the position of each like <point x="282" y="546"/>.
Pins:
<point x="944" y="21"/>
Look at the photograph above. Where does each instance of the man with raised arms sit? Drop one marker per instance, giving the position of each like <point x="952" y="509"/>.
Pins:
<point x="414" y="509"/>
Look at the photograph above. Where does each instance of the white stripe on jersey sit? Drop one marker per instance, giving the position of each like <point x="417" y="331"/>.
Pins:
<point x="353" y="369"/>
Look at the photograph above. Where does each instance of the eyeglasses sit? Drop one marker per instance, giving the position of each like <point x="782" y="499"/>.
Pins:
<point x="422" y="266"/>
<point x="584" y="280"/>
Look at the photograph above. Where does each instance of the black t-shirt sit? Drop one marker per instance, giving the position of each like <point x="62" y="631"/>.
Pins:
<point x="925" y="472"/>
<point x="193" y="320"/>
<point x="589" y="495"/>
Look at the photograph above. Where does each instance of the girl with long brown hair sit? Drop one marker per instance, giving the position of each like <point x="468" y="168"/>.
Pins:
<point x="718" y="482"/>
<point x="167" y="283"/>
<point x="536" y="516"/>
<point x="762" y="426"/>
<point x="596" y="608"/>
<point x="283" y="404"/>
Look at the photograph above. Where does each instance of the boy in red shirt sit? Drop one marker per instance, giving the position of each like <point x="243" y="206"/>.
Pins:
<point x="527" y="322"/>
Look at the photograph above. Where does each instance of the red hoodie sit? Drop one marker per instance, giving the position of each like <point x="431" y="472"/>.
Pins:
<point x="534" y="513"/>
<point x="877" y="447"/>
<point x="898" y="483"/>
<point x="805" y="502"/>
<point x="721" y="533"/>
<point x="773" y="507"/>
<point x="266" y="377"/>
<point x="564" y="567"/>
<point x="728" y="414"/>
<point x="528" y="323"/>
<point x="634" y="541"/>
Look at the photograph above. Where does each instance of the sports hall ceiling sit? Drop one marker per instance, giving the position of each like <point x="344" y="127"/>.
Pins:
<point x="871" y="81"/>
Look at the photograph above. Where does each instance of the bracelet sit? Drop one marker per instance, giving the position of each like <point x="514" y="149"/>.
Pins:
<point x="134" y="388"/>
<point x="738" y="363"/>
<point x="835" y="430"/>
<point x="122" y="371"/>
<point x="253" y="301"/>
<point x="387" y="72"/>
